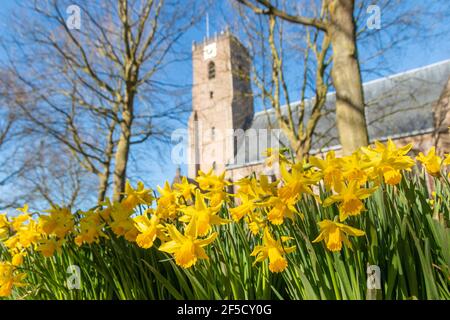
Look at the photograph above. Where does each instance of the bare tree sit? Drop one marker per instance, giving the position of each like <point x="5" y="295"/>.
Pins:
<point x="400" y="25"/>
<point x="34" y="169"/>
<point x="274" y="45"/>
<point x="7" y="117"/>
<point x="337" y="21"/>
<point x="97" y="90"/>
<point x="8" y="135"/>
<point x="54" y="177"/>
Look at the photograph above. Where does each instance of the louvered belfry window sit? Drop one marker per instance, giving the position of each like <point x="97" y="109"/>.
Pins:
<point x="211" y="70"/>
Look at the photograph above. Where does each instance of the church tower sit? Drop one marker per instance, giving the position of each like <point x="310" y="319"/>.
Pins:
<point x="222" y="102"/>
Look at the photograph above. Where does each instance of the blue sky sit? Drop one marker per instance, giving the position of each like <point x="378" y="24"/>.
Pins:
<point x="412" y="54"/>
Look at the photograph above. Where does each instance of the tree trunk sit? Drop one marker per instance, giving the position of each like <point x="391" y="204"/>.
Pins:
<point x="109" y="152"/>
<point x="102" y="186"/>
<point x="350" y="117"/>
<point x="104" y="176"/>
<point x="121" y="156"/>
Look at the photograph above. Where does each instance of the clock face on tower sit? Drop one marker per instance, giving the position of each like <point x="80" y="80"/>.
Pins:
<point x="209" y="51"/>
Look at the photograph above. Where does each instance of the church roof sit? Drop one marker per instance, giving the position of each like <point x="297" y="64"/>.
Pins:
<point x="396" y="106"/>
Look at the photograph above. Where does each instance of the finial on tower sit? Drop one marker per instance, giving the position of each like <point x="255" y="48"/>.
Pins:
<point x="178" y="177"/>
<point x="207" y="25"/>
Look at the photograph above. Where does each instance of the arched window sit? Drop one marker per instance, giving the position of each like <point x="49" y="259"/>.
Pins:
<point x="211" y="70"/>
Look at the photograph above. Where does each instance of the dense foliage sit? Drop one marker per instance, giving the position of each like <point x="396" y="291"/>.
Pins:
<point x="309" y="235"/>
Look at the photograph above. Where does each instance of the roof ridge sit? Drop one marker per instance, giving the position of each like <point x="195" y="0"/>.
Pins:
<point x="396" y="75"/>
<point x="390" y="77"/>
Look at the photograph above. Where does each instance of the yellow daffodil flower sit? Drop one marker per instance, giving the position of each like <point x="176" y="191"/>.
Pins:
<point x="135" y="197"/>
<point x="252" y="188"/>
<point x="49" y="246"/>
<point x="205" y="217"/>
<point x="331" y="169"/>
<point x="216" y="197"/>
<point x="132" y="233"/>
<point x="9" y="278"/>
<point x="12" y="242"/>
<point x="296" y="182"/>
<point x="446" y="161"/>
<point x="184" y="189"/>
<point x="387" y="161"/>
<point x="264" y="188"/>
<point x="122" y="224"/>
<point x="280" y="209"/>
<point x="17" y="256"/>
<point x="90" y="229"/>
<point x="335" y="233"/>
<point x="246" y="206"/>
<point x="274" y="250"/>
<point x="254" y="227"/>
<point x="4" y="226"/>
<point x="149" y="230"/>
<point x="106" y="208"/>
<point x="355" y="168"/>
<point x="431" y="161"/>
<point x="274" y="156"/>
<point x="125" y="228"/>
<point x="167" y="206"/>
<point x="209" y="181"/>
<point x="20" y="219"/>
<point x="59" y="222"/>
<point x="256" y="222"/>
<point x="246" y="186"/>
<point x="187" y="248"/>
<point x="28" y="234"/>
<point x="349" y="198"/>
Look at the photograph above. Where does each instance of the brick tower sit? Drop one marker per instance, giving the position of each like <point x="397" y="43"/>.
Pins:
<point x="222" y="102"/>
